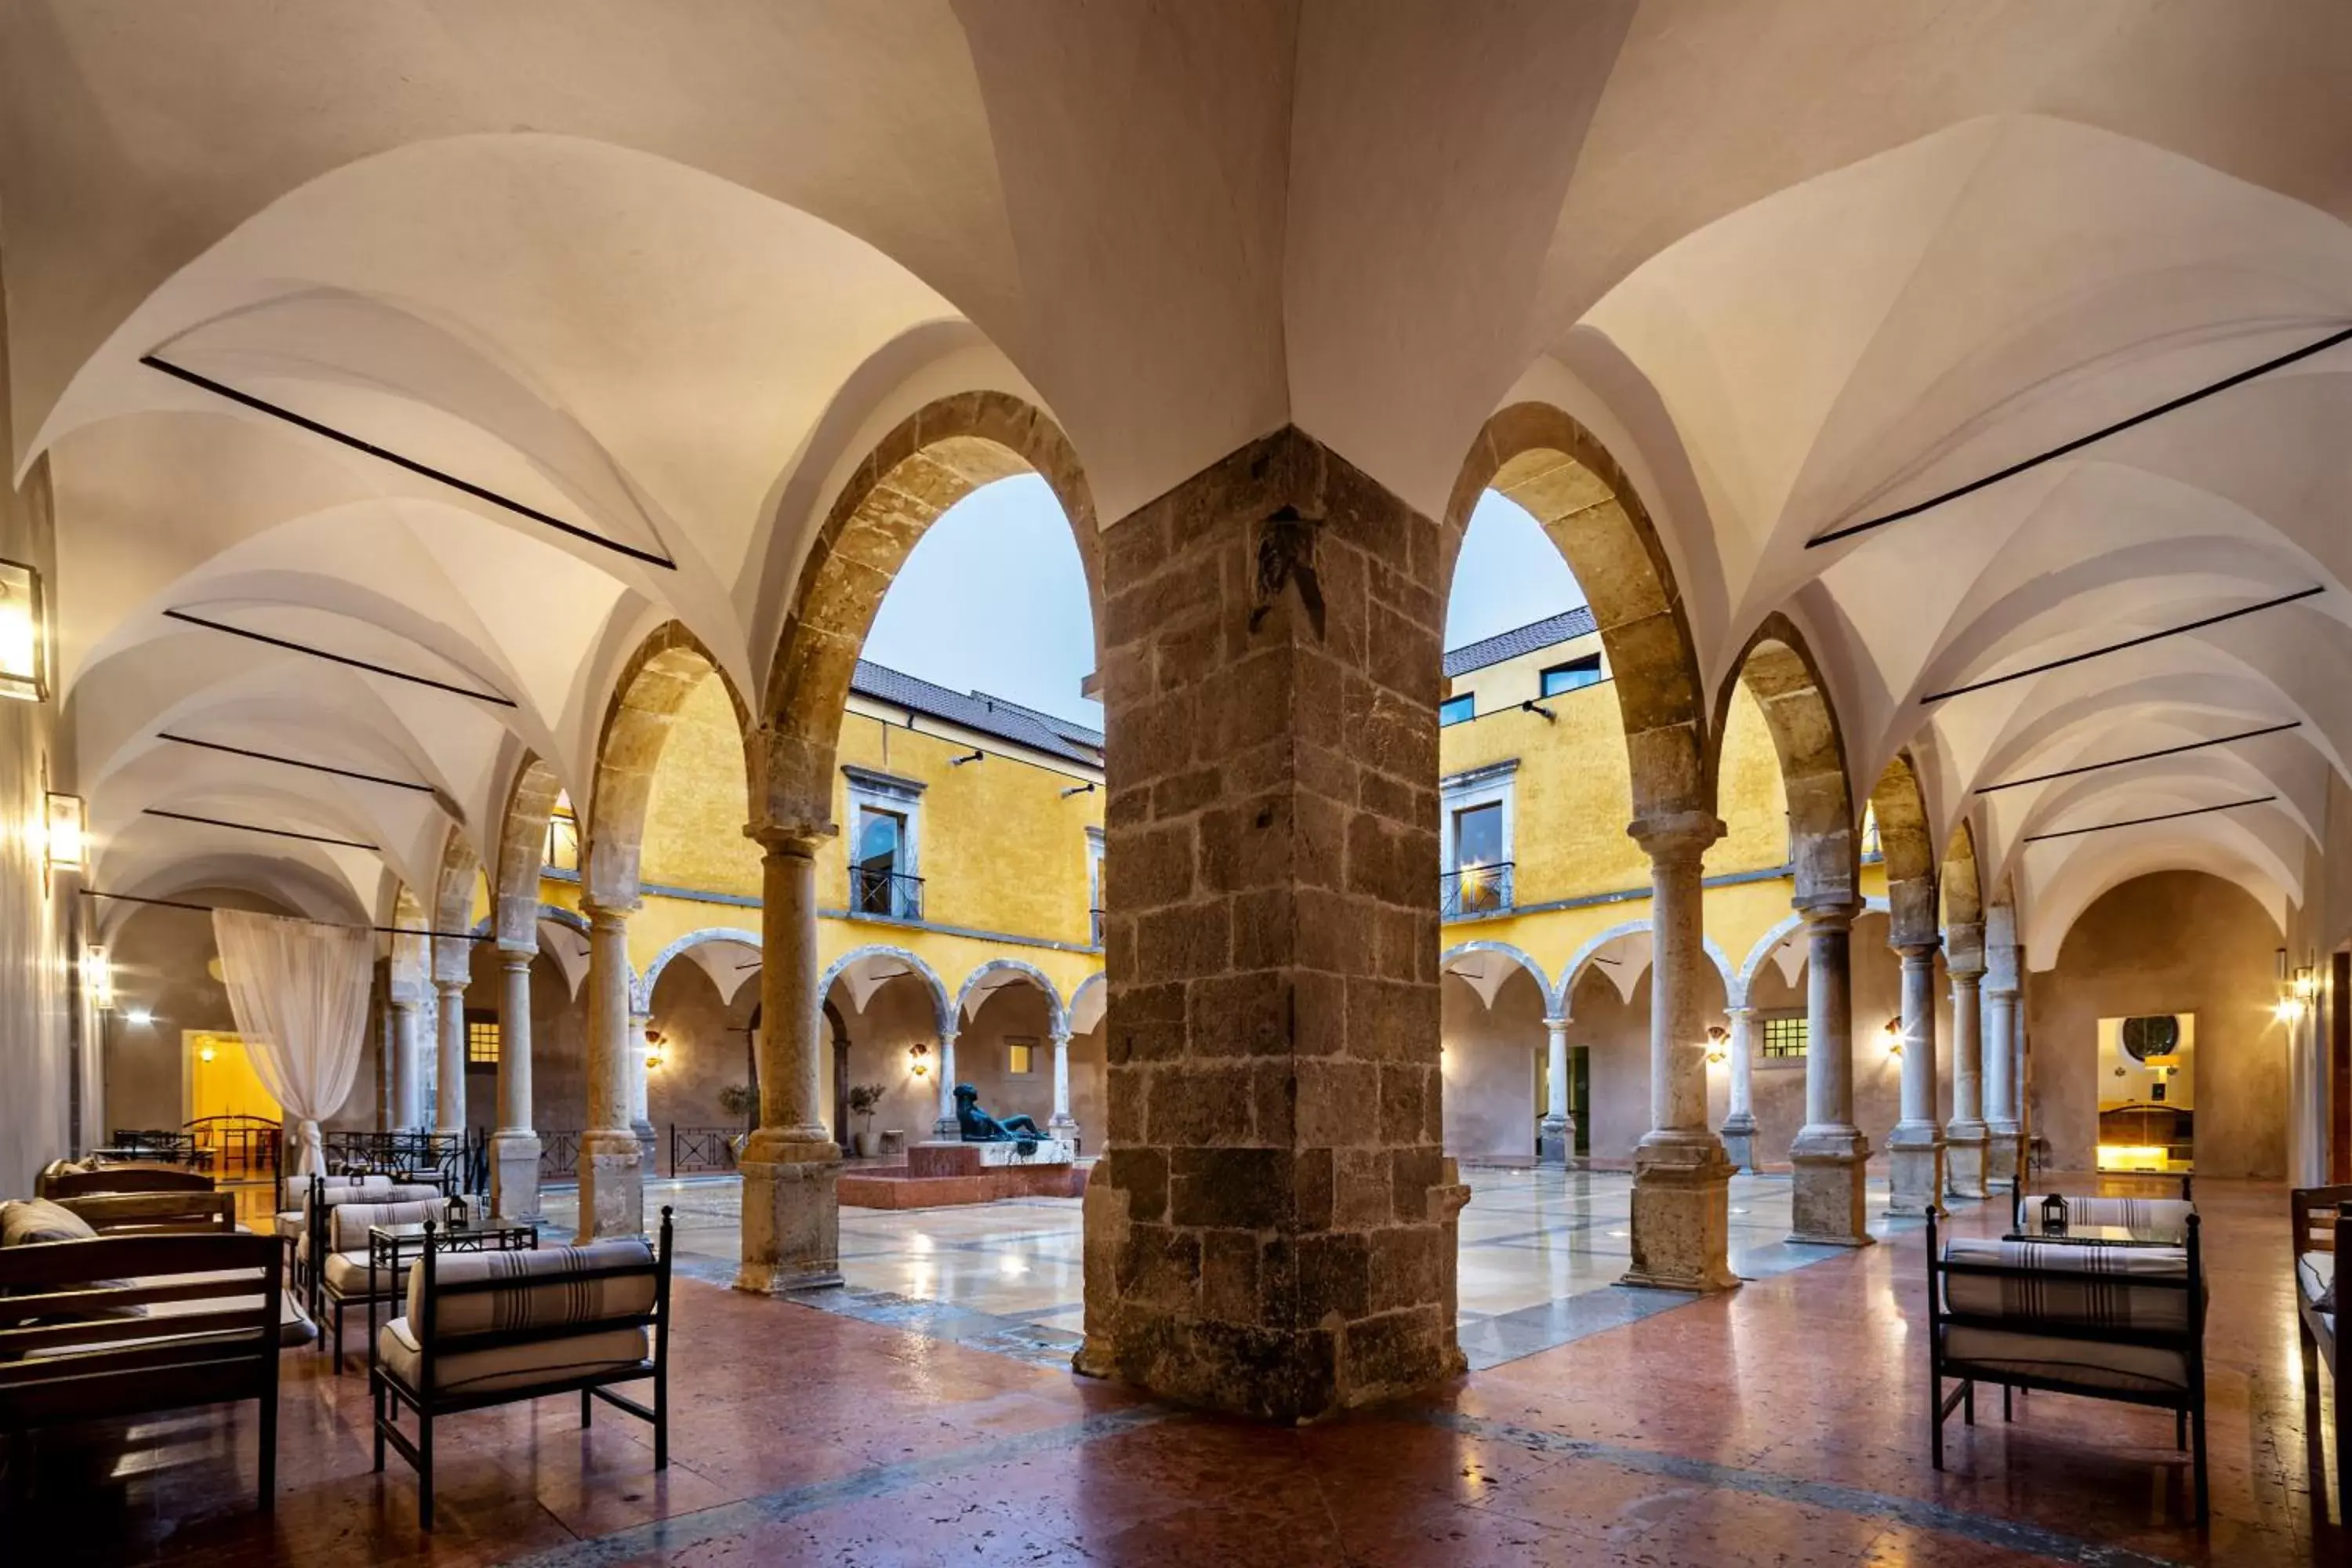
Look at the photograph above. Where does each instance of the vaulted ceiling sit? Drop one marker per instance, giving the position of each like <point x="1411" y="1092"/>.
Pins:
<point x="658" y="276"/>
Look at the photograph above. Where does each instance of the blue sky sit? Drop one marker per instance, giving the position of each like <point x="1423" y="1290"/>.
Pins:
<point x="992" y="598"/>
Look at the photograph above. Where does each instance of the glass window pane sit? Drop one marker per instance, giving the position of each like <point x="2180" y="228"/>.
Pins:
<point x="1454" y="709"/>
<point x="1478" y="835"/>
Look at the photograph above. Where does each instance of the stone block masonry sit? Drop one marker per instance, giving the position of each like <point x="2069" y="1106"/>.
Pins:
<point x="1272" y="1228"/>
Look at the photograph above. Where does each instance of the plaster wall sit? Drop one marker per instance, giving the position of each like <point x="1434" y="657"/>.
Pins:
<point x="1490" y="1067"/>
<point x="706" y="1045"/>
<point x="899" y="1015"/>
<point x="2173" y="941"/>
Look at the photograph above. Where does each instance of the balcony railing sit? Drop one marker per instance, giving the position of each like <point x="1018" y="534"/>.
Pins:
<point x="894" y="894"/>
<point x="1093" y="927"/>
<point x="1475" y="891"/>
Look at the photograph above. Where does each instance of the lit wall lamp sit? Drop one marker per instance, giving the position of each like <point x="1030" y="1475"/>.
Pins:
<point x="23" y="633"/>
<point x="919" y="1057"/>
<point x="204" y="1047"/>
<point x="654" y="1054"/>
<point x="65" y="831"/>
<point x="1716" y="1036"/>
<point x="1893" y="1033"/>
<point x="98" y="977"/>
<point x="2306" y="984"/>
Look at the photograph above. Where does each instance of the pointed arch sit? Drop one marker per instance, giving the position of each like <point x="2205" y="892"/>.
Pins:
<point x="1056" y="1013"/>
<point x="523" y="851"/>
<point x="1502" y="949"/>
<point x="1089" y="1002"/>
<point x="652" y="687"/>
<point x="943" y="1018"/>
<point x="1907" y="845"/>
<point x="641" y="993"/>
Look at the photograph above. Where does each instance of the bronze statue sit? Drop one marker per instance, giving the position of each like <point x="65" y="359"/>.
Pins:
<point x="978" y="1127"/>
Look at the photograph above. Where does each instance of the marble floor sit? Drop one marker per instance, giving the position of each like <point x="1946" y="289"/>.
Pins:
<point x="1541" y="1253"/>
<point x="1781" y="1423"/>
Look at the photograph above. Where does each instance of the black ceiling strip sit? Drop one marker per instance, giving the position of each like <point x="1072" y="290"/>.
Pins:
<point x="296" y="762"/>
<point x="479" y="492"/>
<point x="2128" y="642"/>
<point x="195" y="620"/>
<point x="209" y="909"/>
<point x="273" y="832"/>
<point x="2079" y="442"/>
<point x="2144" y="756"/>
<point x="2137" y="821"/>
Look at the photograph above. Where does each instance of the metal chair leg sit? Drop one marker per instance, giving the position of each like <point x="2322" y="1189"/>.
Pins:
<point x="2005" y="1392"/>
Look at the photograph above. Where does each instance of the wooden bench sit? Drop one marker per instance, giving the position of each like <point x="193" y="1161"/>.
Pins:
<point x="2102" y="1321"/>
<point x="2322" y="1219"/>
<point x="60" y="1180"/>
<point x="129" y="1325"/>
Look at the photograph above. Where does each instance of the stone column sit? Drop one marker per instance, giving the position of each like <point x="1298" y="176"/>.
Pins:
<point x="640" y="1118"/>
<point x="2001" y="1124"/>
<point x="612" y="1170"/>
<point x="1829" y="1151"/>
<point x="791" y="1165"/>
<point x="1062" y="1125"/>
<point x="1682" y="1181"/>
<point x="1964" y="1138"/>
<point x="387" y="1064"/>
<point x="1739" y="1120"/>
<point x="514" y="1147"/>
<point x="945" y="1128"/>
<point x="449" y="1093"/>
<point x="408" y="1070"/>
<point x="1916" y="1149"/>
<point x="1556" y="1140"/>
<point x="1272" y="1228"/>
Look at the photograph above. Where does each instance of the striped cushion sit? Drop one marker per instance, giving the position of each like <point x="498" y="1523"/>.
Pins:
<point x="293" y="1190"/>
<point x="2088" y="1364"/>
<point x="539" y="1290"/>
<point x="352" y="1220"/>
<point x="2136" y="1214"/>
<point x="347" y="1274"/>
<point x="2069" y="1284"/>
<point x="512" y="1366"/>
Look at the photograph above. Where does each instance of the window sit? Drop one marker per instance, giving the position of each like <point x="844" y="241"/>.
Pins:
<point x="1784" y="1037"/>
<point x="1475" y="848"/>
<point x="1095" y="886"/>
<point x="1575" y="673"/>
<point x="481" y="1040"/>
<point x="885" y="820"/>
<point x="563" y="849"/>
<point x="1020" y="1057"/>
<point x="1871" y="849"/>
<point x="1478" y="834"/>
<point x="881" y="839"/>
<point x="1457" y="709"/>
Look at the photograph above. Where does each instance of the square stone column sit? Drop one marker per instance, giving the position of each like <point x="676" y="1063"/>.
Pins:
<point x="1272" y="1228"/>
<point x="791" y="1165"/>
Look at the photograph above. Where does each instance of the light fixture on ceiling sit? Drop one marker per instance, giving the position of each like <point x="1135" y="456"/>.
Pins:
<point x="98" y="977"/>
<point x="65" y="831"/>
<point x="23" y="633"/>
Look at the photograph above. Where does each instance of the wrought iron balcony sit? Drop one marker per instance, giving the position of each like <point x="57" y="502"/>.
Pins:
<point x="894" y="894"/>
<point x="1475" y="891"/>
<point x="1094" y="926"/>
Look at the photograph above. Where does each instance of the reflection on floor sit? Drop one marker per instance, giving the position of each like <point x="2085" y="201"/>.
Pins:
<point x="1540" y="1252"/>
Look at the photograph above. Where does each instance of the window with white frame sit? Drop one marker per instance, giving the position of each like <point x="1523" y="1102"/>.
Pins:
<point x="1475" y="841"/>
<point x="885" y="845"/>
<point x="1095" y="886"/>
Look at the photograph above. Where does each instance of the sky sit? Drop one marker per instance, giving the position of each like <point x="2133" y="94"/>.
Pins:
<point x="992" y="599"/>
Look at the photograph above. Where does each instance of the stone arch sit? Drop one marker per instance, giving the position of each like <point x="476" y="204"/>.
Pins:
<point x="1778" y="933"/>
<point x="641" y="990"/>
<point x="930" y="460"/>
<point x="1572" y="973"/>
<point x="653" y="686"/>
<point x="574" y="969"/>
<point x="522" y="852"/>
<point x="1963" y="892"/>
<point x="453" y="906"/>
<point x="1779" y="671"/>
<point x="1545" y="461"/>
<point x="1907" y="845"/>
<point x="1089" y="1002"/>
<point x="1506" y="951"/>
<point x="1056" y="1013"/>
<point x="915" y="966"/>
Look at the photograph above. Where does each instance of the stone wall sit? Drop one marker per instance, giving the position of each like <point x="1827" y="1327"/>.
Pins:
<point x="2174" y="942"/>
<point x="1272" y="1228"/>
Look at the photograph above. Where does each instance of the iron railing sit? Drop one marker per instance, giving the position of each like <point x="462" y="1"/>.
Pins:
<point x="894" y="894"/>
<point x="240" y="1145"/>
<point x="702" y="1149"/>
<point x="1095" y="926"/>
<point x="1475" y="891"/>
<point x="559" y="1153"/>
<point x="458" y="1162"/>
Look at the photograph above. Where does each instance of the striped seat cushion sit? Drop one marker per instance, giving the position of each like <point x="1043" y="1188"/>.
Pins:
<point x="507" y="1367"/>
<point x="2086" y="1363"/>
<point x="294" y="1190"/>
<point x="2094" y="1286"/>
<point x="352" y="1221"/>
<point x="553" y="1288"/>
<point x="2168" y="1215"/>
<point x="2315" y="1272"/>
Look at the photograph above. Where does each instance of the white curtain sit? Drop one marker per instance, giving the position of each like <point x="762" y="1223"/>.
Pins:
<point x="300" y="991"/>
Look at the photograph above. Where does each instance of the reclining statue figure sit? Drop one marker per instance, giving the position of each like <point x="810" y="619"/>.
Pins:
<point x="978" y="1127"/>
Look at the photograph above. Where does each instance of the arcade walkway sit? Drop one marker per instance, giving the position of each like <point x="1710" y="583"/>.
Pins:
<point x="1783" y="1424"/>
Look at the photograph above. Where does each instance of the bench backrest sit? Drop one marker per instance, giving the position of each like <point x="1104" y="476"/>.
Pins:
<point x="293" y="1190"/>
<point x="480" y="1301"/>
<point x="65" y="1182"/>
<point x="2147" y="1295"/>
<point x="2136" y="1214"/>
<point x="207" y="1213"/>
<point x="352" y="1221"/>
<point x="2313" y="1213"/>
<point x="74" y="1341"/>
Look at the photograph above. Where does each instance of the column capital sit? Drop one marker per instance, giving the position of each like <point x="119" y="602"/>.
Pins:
<point x="1833" y="913"/>
<point x="797" y="839"/>
<point x="2001" y="992"/>
<point x="1676" y="836"/>
<point x="1919" y="951"/>
<point x="1962" y="972"/>
<point x="1060" y="1038"/>
<point x="517" y="957"/>
<point x="1744" y="1010"/>
<point x="1556" y="1021"/>
<point x="606" y="916"/>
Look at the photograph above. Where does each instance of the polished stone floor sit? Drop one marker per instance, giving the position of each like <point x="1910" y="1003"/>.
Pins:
<point x="1784" y="1424"/>
<point x="1541" y="1254"/>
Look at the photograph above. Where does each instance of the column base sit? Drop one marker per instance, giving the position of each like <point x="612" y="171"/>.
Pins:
<point x="1739" y="1134"/>
<point x="514" y="1177"/>
<point x="1964" y="1160"/>
<point x="947" y="1130"/>
<point x="612" y="1186"/>
<point x="1914" y="1157"/>
<point x="2000" y="1159"/>
<point x="1556" y="1141"/>
<point x="1826" y="1198"/>
<point x="792" y="1216"/>
<point x="1063" y="1128"/>
<point x="1681" y="1214"/>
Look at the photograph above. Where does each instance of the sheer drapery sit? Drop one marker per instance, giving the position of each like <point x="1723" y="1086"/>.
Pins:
<point x="300" y="991"/>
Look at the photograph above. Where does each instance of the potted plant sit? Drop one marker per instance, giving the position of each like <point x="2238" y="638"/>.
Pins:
<point x="864" y="1100"/>
<point x="739" y="1099"/>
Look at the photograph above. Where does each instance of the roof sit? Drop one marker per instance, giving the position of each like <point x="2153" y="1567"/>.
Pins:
<point x="978" y="712"/>
<point x="1559" y="628"/>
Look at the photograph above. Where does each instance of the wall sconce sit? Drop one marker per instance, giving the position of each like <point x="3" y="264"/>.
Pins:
<point x="2306" y="984"/>
<point x="98" y="977"/>
<point x="1893" y="1033"/>
<point x="65" y="838"/>
<point x="1716" y="1036"/>
<point x="920" y="1059"/>
<point x="139" y="1017"/>
<point x="654" y="1055"/>
<point x="24" y="635"/>
<point x="2289" y="1009"/>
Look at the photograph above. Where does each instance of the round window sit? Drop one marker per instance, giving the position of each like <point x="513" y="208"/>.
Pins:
<point x="2152" y="1036"/>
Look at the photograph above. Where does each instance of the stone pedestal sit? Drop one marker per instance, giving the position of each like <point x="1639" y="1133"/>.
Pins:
<point x="1964" y="1163"/>
<point x="612" y="1186"/>
<point x="1915" y="1159"/>
<point x="1739" y="1134"/>
<point x="792" y="1216"/>
<point x="1556" y="1141"/>
<point x="2001" y="1149"/>
<point x="1271" y="1229"/>
<point x="1682" y="1215"/>
<point x="1826" y="1196"/>
<point x="514" y="1176"/>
